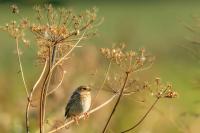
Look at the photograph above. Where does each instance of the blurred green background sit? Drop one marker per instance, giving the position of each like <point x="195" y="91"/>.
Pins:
<point x="158" y="26"/>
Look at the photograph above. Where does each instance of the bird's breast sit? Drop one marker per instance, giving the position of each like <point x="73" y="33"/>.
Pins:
<point x="86" y="102"/>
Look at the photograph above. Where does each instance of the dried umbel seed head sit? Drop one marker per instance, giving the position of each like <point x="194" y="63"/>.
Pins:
<point x="166" y="92"/>
<point x="170" y="94"/>
<point x="14" y="9"/>
<point x="16" y="30"/>
<point x="130" y="61"/>
<point x="113" y="54"/>
<point x="161" y="90"/>
<point x="55" y="27"/>
<point x="62" y="28"/>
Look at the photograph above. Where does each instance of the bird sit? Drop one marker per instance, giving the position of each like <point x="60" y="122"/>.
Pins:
<point x="79" y="103"/>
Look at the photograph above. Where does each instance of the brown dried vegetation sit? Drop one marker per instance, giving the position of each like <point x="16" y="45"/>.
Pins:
<point x="58" y="32"/>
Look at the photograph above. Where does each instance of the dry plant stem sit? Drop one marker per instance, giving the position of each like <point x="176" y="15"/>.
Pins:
<point x="44" y="98"/>
<point x="117" y="102"/>
<point x="142" y="119"/>
<point x="102" y="85"/>
<point x="27" y="116"/>
<point x="51" y="63"/>
<point x="47" y="81"/>
<point x="46" y="84"/>
<point x="42" y="104"/>
<point x="53" y="90"/>
<point x="43" y="89"/>
<point x="30" y="98"/>
<point x="143" y="69"/>
<point x="25" y="85"/>
<point x="20" y="65"/>
<point x="148" y="111"/>
<point x="82" y="116"/>
<point x="53" y="54"/>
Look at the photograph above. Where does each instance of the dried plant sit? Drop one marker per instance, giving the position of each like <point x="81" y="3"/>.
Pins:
<point x="158" y="90"/>
<point x="129" y="62"/>
<point x="58" y="31"/>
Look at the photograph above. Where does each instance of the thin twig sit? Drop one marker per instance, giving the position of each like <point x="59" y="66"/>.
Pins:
<point x="148" y="111"/>
<point x="72" y="40"/>
<point x="142" y="119"/>
<point x="30" y="97"/>
<point x="20" y="65"/>
<point x="129" y="93"/>
<point x="82" y="116"/>
<point x="53" y="90"/>
<point x="117" y="102"/>
<point x="41" y="76"/>
<point x="103" y="83"/>
<point x="143" y="69"/>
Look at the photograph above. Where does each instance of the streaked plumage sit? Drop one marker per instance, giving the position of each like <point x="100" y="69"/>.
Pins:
<point x="79" y="102"/>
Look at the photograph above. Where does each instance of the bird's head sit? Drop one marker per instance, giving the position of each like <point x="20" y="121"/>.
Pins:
<point x="84" y="89"/>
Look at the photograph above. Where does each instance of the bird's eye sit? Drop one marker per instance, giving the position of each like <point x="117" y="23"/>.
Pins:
<point x="84" y="88"/>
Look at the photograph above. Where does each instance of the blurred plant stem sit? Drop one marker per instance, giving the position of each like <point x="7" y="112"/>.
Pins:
<point x="142" y="119"/>
<point x="148" y="111"/>
<point x="20" y="65"/>
<point x="103" y="83"/>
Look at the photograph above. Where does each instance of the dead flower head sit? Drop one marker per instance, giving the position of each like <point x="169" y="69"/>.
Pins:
<point x="128" y="60"/>
<point x="58" y="27"/>
<point x="14" y="9"/>
<point x="161" y="90"/>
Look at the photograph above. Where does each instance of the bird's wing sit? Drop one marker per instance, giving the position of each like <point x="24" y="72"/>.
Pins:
<point x="71" y="101"/>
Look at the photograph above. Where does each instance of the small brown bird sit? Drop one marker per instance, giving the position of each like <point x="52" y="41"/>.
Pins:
<point x="79" y="103"/>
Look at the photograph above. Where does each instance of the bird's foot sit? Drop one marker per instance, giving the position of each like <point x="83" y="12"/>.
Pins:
<point x="76" y="118"/>
<point x="86" y="115"/>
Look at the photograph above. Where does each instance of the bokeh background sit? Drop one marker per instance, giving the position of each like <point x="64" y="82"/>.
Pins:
<point x="157" y="25"/>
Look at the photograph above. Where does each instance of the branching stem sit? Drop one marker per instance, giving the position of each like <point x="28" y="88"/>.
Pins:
<point x="117" y="102"/>
<point x="142" y="119"/>
<point x="148" y="111"/>
<point x="30" y="97"/>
